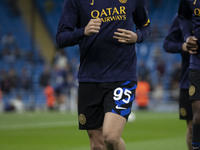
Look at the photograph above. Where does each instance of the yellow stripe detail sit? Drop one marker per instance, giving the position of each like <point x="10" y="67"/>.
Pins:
<point x="147" y="23"/>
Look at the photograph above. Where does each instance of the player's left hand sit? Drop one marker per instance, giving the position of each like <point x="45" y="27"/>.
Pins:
<point x="125" y="36"/>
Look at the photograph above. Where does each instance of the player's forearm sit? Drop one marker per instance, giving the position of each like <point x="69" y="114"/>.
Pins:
<point x="186" y="28"/>
<point x="69" y="38"/>
<point x="143" y="33"/>
<point x="185" y="16"/>
<point x="172" y="46"/>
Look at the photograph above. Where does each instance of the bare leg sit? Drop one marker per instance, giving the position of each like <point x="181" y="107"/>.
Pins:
<point x="189" y="134"/>
<point x="196" y="112"/>
<point x="112" y="130"/>
<point x="196" y="125"/>
<point x="96" y="139"/>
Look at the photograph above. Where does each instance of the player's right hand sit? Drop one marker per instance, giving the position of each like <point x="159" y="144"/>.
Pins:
<point x="192" y="45"/>
<point x="93" y="27"/>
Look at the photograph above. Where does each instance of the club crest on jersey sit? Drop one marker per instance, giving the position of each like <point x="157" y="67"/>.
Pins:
<point x="123" y="1"/>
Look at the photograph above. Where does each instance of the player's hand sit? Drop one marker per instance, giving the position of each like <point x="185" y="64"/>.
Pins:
<point x="191" y="45"/>
<point x="92" y="27"/>
<point x="125" y="36"/>
<point x="184" y="47"/>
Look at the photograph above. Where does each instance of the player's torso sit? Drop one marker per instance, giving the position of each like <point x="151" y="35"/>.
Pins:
<point x="195" y="7"/>
<point x="102" y="57"/>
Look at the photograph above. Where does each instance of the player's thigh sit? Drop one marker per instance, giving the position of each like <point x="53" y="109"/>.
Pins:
<point x="95" y="135"/>
<point x="196" y="107"/>
<point x="113" y="125"/>
<point x="196" y="112"/>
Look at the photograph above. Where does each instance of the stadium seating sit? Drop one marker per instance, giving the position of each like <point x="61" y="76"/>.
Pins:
<point x="14" y="24"/>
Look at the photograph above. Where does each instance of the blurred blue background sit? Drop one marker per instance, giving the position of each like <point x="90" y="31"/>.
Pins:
<point x="36" y="75"/>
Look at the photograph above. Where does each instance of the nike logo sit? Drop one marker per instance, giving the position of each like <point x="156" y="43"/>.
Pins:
<point x="117" y="107"/>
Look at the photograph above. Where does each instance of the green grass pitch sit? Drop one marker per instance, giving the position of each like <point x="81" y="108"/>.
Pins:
<point x="59" y="131"/>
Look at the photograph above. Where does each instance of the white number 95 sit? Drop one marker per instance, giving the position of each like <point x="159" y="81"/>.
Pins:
<point x="118" y="93"/>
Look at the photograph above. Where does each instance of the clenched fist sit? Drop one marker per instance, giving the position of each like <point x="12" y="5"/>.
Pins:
<point x="92" y="27"/>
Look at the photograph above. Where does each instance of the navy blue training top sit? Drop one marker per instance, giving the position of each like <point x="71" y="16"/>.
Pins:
<point x="189" y="10"/>
<point x="103" y="58"/>
<point x="173" y="44"/>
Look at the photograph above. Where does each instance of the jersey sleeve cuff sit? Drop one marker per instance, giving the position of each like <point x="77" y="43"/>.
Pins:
<point x="139" y="39"/>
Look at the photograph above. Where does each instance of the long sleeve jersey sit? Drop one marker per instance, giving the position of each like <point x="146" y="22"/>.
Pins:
<point x="103" y="58"/>
<point x="189" y="11"/>
<point x="173" y="44"/>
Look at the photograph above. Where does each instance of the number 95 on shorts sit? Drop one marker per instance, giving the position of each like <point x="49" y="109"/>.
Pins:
<point x="122" y="98"/>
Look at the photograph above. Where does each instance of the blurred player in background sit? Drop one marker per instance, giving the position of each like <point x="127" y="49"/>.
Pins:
<point x="107" y="73"/>
<point x="173" y="43"/>
<point x="189" y="10"/>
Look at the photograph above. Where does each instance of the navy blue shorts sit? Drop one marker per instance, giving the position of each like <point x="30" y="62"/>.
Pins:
<point x="96" y="99"/>
<point x="194" y="90"/>
<point x="185" y="107"/>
